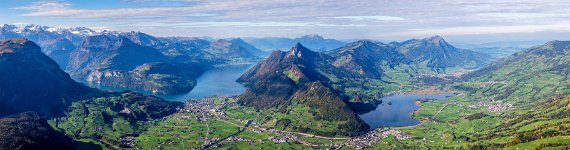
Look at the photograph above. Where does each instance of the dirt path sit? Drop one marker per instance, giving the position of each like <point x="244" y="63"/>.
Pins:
<point x="439" y="110"/>
<point x="229" y="136"/>
<point x="207" y="126"/>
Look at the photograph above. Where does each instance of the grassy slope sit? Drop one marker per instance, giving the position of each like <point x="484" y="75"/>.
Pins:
<point x="538" y="120"/>
<point x="101" y="118"/>
<point x="534" y="81"/>
<point x="186" y="130"/>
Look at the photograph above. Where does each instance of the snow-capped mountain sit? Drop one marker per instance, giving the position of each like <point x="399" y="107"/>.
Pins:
<point x="56" y="42"/>
<point x="133" y="59"/>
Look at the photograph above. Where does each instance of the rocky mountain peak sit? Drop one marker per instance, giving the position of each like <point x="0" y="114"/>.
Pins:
<point x="366" y="47"/>
<point x="436" y="40"/>
<point x="300" y="51"/>
<point x="557" y="44"/>
<point x="143" y="39"/>
<point x="364" y="42"/>
<point x="127" y="42"/>
<point x="221" y="44"/>
<point x="238" y="40"/>
<point x="312" y="36"/>
<point x="222" y="41"/>
<point x="20" y="41"/>
<point x="33" y="27"/>
<point x="16" y="45"/>
<point x="98" y="41"/>
<point x="8" y="27"/>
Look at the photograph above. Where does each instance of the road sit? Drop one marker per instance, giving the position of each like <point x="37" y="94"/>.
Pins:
<point x="446" y="104"/>
<point x="229" y="136"/>
<point x="207" y="126"/>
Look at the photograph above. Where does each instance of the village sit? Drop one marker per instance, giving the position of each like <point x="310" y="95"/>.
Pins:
<point x="207" y="108"/>
<point x="493" y="106"/>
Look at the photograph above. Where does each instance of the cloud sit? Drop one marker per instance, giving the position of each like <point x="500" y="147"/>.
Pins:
<point x="21" y="23"/>
<point x="482" y="30"/>
<point x="339" y="18"/>
<point x="373" y="18"/>
<point x="45" y="6"/>
<point x="200" y="15"/>
<point x="161" y="0"/>
<point x="248" y="24"/>
<point x="64" y="9"/>
<point x="524" y="15"/>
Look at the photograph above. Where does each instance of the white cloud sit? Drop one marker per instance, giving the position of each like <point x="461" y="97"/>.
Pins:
<point x="64" y="9"/>
<point x="161" y="0"/>
<point x="482" y="30"/>
<point x="101" y="13"/>
<point x="245" y="24"/>
<point x="523" y="15"/>
<point x="21" y="23"/>
<point x="340" y="18"/>
<point x="45" y="6"/>
<point x="368" y="18"/>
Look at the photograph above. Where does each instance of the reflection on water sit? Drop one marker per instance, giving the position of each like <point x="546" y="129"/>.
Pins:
<point x="219" y="81"/>
<point x="395" y="110"/>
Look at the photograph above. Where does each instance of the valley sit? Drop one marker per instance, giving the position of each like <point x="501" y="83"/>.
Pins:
<point x="284" y="75"/>
<point x="461" y="121"/>
<point x="216" y="94"/>
<point x="218" y="81"/>
<point x="395" y="110"/>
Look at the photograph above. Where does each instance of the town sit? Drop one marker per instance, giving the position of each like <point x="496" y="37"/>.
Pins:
<point x="494" y="106"/>
<point x="212" y="107"/>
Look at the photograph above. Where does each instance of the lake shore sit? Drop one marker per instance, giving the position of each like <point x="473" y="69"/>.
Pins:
<point x="398" y="110"/>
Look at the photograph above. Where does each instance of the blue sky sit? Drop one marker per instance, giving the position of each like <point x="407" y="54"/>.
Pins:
<point x="342" y="19"/>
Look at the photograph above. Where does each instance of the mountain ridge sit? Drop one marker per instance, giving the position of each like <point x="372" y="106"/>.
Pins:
<point x="28" y="74"/>
<point x="313" y="41"/>
<point x="286" y="81"/>
<point x="91" y="56"/>
<point x="439" y="55"/>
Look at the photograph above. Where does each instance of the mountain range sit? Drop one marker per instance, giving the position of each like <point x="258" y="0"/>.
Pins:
<point x="324" y="82"/>
<point x="548" y="63"/>
<point x="34" y="82"/>
<point x="289" y="79"/>
<point x="110" y="59"/>
<point x="314" y="42"/>
<point x="439" y="55"/>
<point x="319" y="93"/>
<point x="525" y="94"/>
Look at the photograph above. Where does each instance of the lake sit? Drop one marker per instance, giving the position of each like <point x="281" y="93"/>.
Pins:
<point x="220" y="81"/>
<point x="399" y="112"/>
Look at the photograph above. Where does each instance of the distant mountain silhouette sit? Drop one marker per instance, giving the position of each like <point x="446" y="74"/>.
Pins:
<point x="314" y="42"/>
<point x="439" y="55"/>
<point x="365" y="58"/>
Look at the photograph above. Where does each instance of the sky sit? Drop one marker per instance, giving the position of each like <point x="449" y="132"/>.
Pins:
<point x="477" y="20"/>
